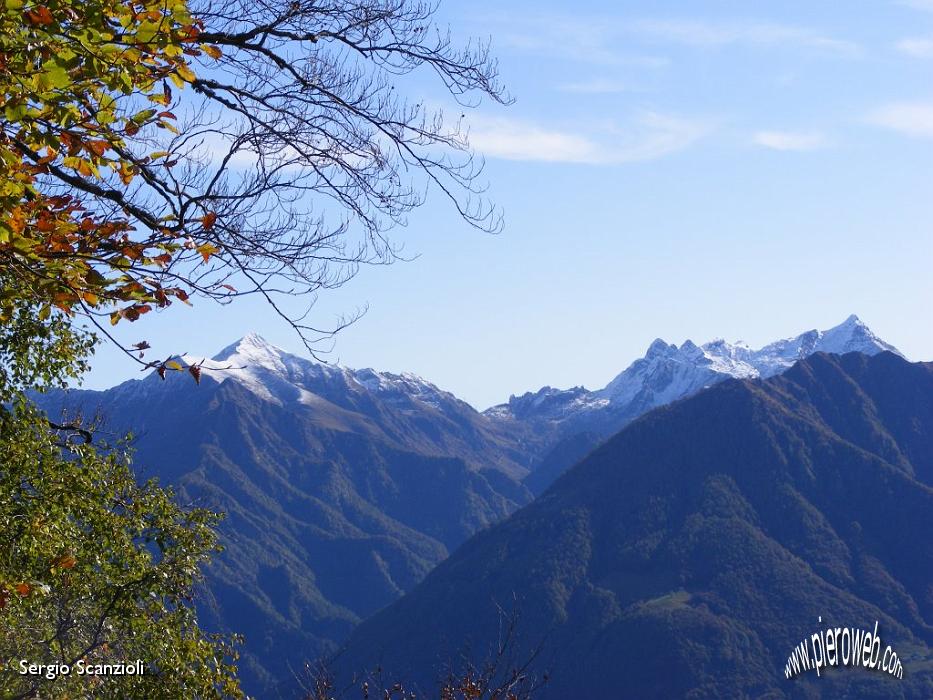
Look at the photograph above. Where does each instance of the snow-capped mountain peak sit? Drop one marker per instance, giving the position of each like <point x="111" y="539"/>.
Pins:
<point x="265" y="369"/>
<point x="667" y="373"/>
<point x="275" y="375"/>
<point x="253" y="351"/>
<point x="852" y="335"/>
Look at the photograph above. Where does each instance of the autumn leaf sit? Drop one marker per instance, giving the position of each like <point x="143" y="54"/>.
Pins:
<point x="66" y="561"/>
<point x="196" y="373"/>
<point x="186" y="73"/>
<point x="98" y="147"/>
<point x="23" y="589"/>
<point x="127" y="173"/>
<point x="207" y="250"/>
<point x="207" y="221"/>
<point x="40" y="15"/>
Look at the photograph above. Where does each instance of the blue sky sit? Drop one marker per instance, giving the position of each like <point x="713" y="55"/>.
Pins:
<point x="669" y="169"/>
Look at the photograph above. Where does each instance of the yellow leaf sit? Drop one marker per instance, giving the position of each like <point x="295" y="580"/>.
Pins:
<point x="212" y="51"/>
<point x="186" y="73"/>
<point x="126" y="173"/>
<point x="207" y="250"/>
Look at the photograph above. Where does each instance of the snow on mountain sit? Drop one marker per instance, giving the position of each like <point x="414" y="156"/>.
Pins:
<point x="278" y="376"/>
<point x="667" y="373"/>
<point x="852" y="335"/>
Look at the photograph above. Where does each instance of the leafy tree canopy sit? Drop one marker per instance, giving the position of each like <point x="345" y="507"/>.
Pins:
<point x="153" y="151"/>
<point x="97" y="569"/>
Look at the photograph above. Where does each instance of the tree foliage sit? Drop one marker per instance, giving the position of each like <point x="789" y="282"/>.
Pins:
<point x="153" y="151"/>
<point x="80" y="83"/>
<point x="97" y="569"/>
<point x="94" y="567"/>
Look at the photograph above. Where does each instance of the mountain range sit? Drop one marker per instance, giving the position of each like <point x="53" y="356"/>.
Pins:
<point x="343" y="488"/>
<point x="689" y="554"/>
<point x="571" y="422"/>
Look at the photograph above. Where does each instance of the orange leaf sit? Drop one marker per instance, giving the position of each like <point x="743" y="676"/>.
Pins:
<point x="126" y="173"/>
<point x="98" y="147"/>
<point x="17" y="220"/>
<point x="40" y="15"/>
<point x="50" y="154"/>
<point x="66" y="561"/>
<point x="23" y="589"/>
<point x="207" y="221"/>
<point x="212" y="51"/>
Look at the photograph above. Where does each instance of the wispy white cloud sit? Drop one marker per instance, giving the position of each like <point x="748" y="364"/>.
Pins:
<point x="594" y="86"/>
<point x="609" y="40"/>
<point x="910" y="118"/>
<point x="649" y="136"/>
<point x="791" y="140"/>
<point x="703" y="34"/>
<point x="917" y="47"/>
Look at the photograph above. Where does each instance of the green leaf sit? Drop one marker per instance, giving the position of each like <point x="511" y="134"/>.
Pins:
<point x="55" y="75"/>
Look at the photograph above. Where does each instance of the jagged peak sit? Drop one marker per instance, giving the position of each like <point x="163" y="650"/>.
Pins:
<point x="659" y="347"/>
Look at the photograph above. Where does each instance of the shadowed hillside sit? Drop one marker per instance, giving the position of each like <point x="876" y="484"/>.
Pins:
<point x="341" y="488"/>
<point x="688" y="555"/>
